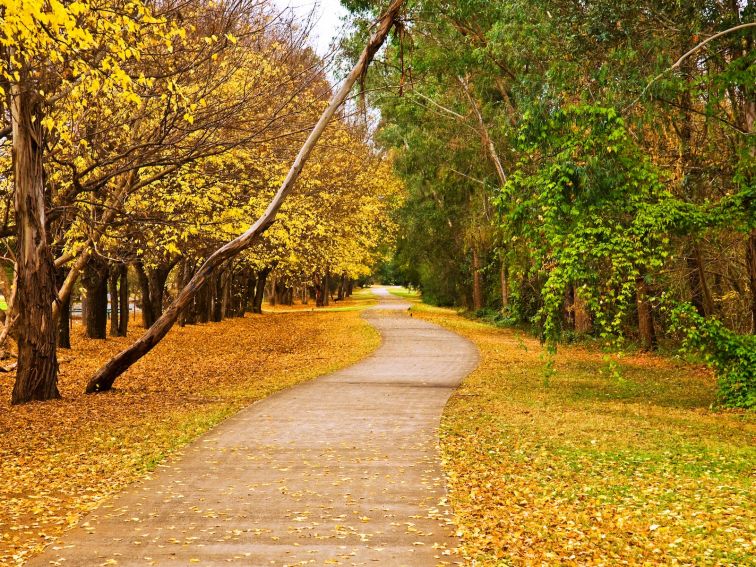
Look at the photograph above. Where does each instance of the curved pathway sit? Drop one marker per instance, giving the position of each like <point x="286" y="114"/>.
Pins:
<point x="342" y="470"/>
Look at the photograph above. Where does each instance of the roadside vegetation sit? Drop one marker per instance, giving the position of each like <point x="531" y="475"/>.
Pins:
<point x="583" y="169"/>
<point x="590" y="462"/>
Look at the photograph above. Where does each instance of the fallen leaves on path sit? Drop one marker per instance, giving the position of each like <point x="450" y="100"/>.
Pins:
<point x="59" y="459"/>
<point x="589" y="467"/>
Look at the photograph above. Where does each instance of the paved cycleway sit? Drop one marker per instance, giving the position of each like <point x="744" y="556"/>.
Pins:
<point x="341" y="470"/>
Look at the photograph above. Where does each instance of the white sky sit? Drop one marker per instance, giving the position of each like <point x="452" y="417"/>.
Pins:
<point x="327" y="15"/>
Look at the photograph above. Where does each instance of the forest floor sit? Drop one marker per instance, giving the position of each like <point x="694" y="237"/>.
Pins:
<point x="59" y="459"/>
<point x="590" y="466"/>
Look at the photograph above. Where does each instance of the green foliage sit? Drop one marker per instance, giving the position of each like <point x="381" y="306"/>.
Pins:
<point x="730" y="355"/>
<point x="591" y="210"/>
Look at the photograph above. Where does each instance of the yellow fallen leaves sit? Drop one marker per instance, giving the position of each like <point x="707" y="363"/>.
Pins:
<point x="591" y="468"/>
<point x="59" y="459"/>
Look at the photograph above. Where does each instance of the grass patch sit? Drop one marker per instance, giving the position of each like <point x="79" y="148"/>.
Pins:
<point x="592" y="466"/>
<point x="404" y="293"/>
<point x="60" y="459"/>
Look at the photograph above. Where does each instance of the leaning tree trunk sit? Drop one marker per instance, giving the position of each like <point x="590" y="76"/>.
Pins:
<point x="123" y="300"/>
<point x="106" y="376"/>
<point x="37" y="370"/>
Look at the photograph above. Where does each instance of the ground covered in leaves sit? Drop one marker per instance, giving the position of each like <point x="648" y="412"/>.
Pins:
<point x="59" y="459"/>
<point x="593" y="467"/>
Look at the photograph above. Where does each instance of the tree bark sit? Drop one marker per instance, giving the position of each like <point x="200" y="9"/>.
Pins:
<point x="64" y="317"/>
<point x="148" y="316"/>
<point x="751" y="263"/>
<point x="189" y="314"/>
<point x="504" y="279"/>
<point x="210" y="292"/>
<point x="249" y="295"/>
<point x="157" y="278"/>
<point x="123" y="300"/>
<point x="202" y="303"/>
<point x="37" y="369"/>
<point x="569" y="301"/>
<point x="646" y="330"/>
<point x="106" y="376"/>
<point x="699" y="288"/>
<point x="273" y="295"/>
<point x="319" y="292"/>
<point x="477" y="283"/>
<point x="583" y="321"/>
<point x="114" y="299"/>
<point x="95" y="282"/>
<point x="262" y="277"/>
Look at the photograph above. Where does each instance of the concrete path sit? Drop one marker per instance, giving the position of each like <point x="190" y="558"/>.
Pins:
<point x="342" y="470"/>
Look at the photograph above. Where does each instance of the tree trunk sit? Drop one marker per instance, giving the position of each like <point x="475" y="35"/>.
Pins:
<point x="583" y="323"/>
<point x="569" y="302"/>
<point x="105" y="376"/>
<point x="211" y="289"/>
<point x="699" y="288"/>
<point x="37" y="369"/>
<point x="504" y="278"/>
<point x="220" y="297"/>
<point x="123" y="301"/>
<point x="148" y="316"/>
<point x="189" y="314"/>
<point x="327" y="289"/>
<point x="646" y="330"/>
<point x="751" y="263"/>
<point x="203" y="304"/>
<point x="249" y="296"/>
<point x="477" y="283"/>
<point x="319" y="301"/>
<point x="114" y="299"/>
<point x="64" y="317"/>
<point x="262" y="277"/>
<point x="157" y="278"/>
<point x="95" y="282"/>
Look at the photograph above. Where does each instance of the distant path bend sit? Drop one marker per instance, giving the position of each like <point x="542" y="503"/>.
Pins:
<point x="340" y="470"/>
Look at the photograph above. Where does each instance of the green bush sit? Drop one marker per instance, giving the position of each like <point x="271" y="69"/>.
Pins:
<point x="732" y="356"/>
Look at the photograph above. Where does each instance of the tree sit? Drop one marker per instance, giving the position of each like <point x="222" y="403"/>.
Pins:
<point x="37" y="32"/>
<point x="104" y="378"/>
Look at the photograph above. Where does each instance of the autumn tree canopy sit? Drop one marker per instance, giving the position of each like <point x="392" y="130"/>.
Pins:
<point x="138" y="138"/>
